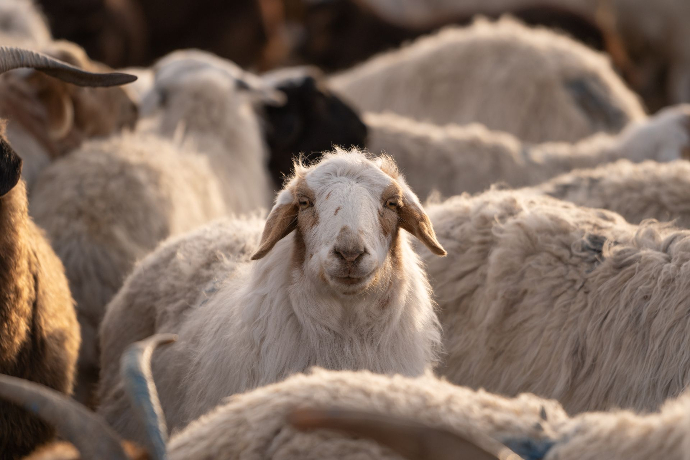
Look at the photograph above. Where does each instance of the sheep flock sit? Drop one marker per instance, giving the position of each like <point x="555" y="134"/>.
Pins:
<point x="344" y="229"/>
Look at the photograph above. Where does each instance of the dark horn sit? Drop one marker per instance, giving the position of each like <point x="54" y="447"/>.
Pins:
<point x="88" y="432"/>
<point x="410" y="439"/>
<point x="139" y="385"/>
<point x="15" y="58"/>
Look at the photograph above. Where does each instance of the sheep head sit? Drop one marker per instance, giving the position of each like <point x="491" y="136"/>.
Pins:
<point x="15" y="58"/>
<point x="192" y="87"/>
<point x="312" y="120"/>
<point x="59" y="115"/>
<point x="346" y="213"/>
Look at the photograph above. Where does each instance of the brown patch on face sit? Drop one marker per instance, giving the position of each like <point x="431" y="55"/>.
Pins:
<point x="328" y="195"/>
<point x="388" y="218"/>
<point x="307" y="219"/>
<point x="336" y="211"/>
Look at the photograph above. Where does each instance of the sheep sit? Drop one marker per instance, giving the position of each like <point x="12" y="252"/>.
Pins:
<point x="647" y="190"/>
<point x="566" y="302"/>
<point x="210" y="104"/>
<point x="48" y="118"/>
<point x="472" y="158"/>
<point x="652" y="35"/>
<point x="284" y="312"/>
<point x="38" y="326"/>
<point x="445" y="78"/>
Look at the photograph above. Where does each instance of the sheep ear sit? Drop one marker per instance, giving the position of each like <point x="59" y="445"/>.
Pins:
<point x="414" y="220"/>
<point x="281" y="221"/>
<point x="10" y="167"/>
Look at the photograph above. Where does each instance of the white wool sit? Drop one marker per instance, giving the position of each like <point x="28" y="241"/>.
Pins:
<point x="571" y="303"/>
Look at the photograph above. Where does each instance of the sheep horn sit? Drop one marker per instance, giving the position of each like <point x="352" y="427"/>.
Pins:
<point x="409" y="439"/>
<point x="15" y="58"/>
<point x="89" y="433"/>
<point x="138" y="381"/>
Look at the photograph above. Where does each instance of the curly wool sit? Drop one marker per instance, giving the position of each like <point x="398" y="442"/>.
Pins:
<point x="253" y="426"/>
<point x="566" y="302"/>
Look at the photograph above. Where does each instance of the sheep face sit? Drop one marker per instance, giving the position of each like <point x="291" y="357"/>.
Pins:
<point x="346" y="213"/>
<point x="10" y="166"/>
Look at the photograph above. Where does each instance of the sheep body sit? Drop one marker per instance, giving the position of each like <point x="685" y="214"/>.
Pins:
<point x="570" y="303"/>
<point x="38" y="325"/>
<point x="444" y="78"/>
<point x="473" y="157"/>
<point x="271" y="321"/>
<point x="159" y="190"/>
<point x="636" y="191"/>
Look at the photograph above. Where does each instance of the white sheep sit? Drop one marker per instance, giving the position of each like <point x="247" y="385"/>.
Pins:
<point x="335" y="283"/>
<point x="533" y="83"/>
<point x="454" y="159"/>
<point x="417" y="418"/>
<point x="566" y="302"/>
<point x="651" y="37"/>
<point x="38" y="326"/>
<point x="107" y="205"/>
<point x="208" y="104"/>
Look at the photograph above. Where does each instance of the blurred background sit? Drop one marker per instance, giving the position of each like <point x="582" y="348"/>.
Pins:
<point x="646" y="40"/>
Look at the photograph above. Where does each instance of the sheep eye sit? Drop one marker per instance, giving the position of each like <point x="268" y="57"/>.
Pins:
<point x="304" y="203"/>
<point x="393" y="204"/>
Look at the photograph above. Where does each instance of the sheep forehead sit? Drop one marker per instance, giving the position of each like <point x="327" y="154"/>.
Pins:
<point x="347" y="168"/>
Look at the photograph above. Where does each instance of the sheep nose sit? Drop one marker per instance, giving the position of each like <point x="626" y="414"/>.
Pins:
<point x="349" y="254"/>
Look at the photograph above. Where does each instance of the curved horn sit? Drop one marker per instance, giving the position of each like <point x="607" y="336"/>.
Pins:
<point x="15" y="58"/>
<point x="89" y="433"/>
<point x="138" y="381"/>
<point x="409" y="439"/>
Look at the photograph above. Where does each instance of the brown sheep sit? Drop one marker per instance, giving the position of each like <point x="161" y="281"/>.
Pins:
<point x="39" y="333"/>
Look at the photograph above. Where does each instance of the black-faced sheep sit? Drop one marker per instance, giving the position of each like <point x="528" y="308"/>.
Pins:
<point x="336" y="285"/>
<point x="39" y="334"/>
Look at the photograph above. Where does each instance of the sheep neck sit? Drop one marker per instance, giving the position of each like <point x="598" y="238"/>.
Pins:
<point x="390" y="328"/>
<point x="17" y="286"/>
